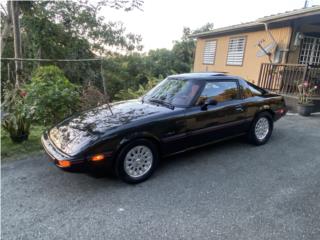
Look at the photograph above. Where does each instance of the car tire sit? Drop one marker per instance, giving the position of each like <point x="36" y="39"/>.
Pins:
<point x="261" y="129"/>
<point x="137" y="161"/>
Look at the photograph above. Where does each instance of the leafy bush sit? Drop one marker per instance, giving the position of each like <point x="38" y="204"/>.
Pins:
<point x="17" y="116"/>
<point x="51" y="95"/>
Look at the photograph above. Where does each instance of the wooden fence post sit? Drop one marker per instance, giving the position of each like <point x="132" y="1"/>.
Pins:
<point x="260" y="75"/>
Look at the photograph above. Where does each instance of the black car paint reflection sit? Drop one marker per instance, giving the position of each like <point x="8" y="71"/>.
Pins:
<point x="72" y="134"/>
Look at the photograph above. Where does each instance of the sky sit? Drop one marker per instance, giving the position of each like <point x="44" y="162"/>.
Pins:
<point x="161" y="21"/>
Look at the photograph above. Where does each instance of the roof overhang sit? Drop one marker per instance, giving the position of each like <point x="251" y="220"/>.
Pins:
<point x="230" y="29"/>
<point x="291" y="15"/>
<point x="259" y="23"/>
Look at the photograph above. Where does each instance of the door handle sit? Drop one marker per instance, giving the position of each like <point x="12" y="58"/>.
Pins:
<point x="239" y="108"/>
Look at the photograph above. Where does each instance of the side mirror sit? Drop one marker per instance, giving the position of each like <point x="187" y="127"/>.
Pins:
<point x="208" y="102"/>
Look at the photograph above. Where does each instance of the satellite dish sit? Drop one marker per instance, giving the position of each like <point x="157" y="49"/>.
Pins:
<point x="267" y="50"/>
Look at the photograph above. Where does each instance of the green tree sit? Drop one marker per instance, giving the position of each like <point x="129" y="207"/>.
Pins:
<point x="133" y="93"/>
<point x="127" y="74"/>
<point x="81" y="19"/>
<point x="160" y="62"/>
<point x="69" y="29"/>
<point x="125" y="71"/>
<point x="184" y="49"/>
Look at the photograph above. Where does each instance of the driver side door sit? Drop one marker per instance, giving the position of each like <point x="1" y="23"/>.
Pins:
<point x="224" y="119"/>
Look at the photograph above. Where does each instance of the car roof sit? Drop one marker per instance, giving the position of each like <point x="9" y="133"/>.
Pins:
<point x="202" y="76"/>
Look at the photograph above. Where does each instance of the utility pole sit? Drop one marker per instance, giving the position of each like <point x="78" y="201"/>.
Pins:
<point x="15" y="11"/>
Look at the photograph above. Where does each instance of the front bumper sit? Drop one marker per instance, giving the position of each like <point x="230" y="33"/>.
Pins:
<point x="65" y="161"/>
<point x="59" y="158"/>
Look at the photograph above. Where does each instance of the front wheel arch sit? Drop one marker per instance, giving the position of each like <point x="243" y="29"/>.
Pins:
<point x="119" y="159"/>
<point x="129" y="139"/>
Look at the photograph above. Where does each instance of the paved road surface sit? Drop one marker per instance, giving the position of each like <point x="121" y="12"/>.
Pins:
<point x="227" y="191"/>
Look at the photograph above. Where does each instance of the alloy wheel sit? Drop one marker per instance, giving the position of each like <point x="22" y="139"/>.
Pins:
<point x="262" y="128"/>
<point x="138" y="161"/>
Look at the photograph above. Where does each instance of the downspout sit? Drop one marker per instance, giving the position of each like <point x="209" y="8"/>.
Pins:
<point x="268" y="31"/>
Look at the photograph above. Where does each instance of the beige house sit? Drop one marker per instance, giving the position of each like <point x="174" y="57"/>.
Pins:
<point x="274" y="52"/>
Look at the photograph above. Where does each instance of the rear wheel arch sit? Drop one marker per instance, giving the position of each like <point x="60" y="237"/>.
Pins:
<point x="267" y="110"/>
<point x="251" y="133"/>
<point x="269" y="113"/>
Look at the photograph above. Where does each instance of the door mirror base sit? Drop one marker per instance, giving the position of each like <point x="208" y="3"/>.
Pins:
<point x="207" y="103"/>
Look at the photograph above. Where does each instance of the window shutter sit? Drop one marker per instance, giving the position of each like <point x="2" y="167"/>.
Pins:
<point x="236" y="51"/>
<point x="209" y="53"/>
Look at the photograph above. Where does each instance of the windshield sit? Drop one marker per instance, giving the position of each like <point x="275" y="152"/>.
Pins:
<point x="175" y="92"/>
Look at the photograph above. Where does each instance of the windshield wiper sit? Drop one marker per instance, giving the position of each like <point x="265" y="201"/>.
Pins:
<point x="166" y="104"/>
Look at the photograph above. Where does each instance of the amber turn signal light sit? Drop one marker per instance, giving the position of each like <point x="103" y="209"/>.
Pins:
<point x="64" y="163"/>
<point x="97" y="157"/>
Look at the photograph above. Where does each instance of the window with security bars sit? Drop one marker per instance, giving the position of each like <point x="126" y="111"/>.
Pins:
<point x="236" y="51"/>
<point x="209" y="52"/>
<point x="310" y="51"/>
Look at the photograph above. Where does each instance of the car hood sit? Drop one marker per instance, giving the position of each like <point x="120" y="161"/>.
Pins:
<point x="74" y="133"/>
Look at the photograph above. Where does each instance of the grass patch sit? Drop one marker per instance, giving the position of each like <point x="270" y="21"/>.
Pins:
<point x="10" y="150"/>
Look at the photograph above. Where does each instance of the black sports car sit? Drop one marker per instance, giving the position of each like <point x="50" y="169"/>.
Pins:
<point x="182" y="112"/>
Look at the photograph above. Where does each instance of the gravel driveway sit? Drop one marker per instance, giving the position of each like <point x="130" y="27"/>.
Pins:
<point x="230" y="190"/>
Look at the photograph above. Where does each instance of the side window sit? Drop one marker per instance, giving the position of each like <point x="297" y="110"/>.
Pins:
<point x="255" y="91"/>
<point x="221" y="91"/>
<point x="246" y="92"/>
<point x="250" y="90"/>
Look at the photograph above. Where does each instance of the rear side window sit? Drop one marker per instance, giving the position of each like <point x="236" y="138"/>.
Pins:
<point x="221" y="91"/>
<point x="252" y="90"/>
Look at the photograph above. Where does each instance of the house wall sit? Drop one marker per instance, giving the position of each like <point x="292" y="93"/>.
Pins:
<point x="251" y="64"/>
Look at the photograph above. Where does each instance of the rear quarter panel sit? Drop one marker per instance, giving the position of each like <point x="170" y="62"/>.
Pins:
<point x="268" y="102"/>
